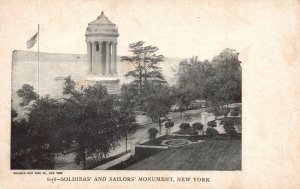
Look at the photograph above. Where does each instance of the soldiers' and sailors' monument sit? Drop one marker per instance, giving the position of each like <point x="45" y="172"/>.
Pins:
<point x="101" y="39"/>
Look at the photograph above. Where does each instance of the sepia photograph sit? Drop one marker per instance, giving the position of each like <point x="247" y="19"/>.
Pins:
<point x="139" y="110"/>
<point x="149" y="94"/>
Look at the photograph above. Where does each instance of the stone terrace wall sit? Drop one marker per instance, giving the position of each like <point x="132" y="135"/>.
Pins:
<point x="55" y="66"/>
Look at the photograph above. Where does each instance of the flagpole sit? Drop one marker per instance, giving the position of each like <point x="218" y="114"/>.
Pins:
<point x="38" y="59"/>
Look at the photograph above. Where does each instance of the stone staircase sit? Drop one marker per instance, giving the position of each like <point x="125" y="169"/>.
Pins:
<point x="112" y="88"/>
<point x="112" y="85"/>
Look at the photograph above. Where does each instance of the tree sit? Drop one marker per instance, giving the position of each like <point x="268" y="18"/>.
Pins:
<point x="152" y="133"/>
<point x="192" y="75"/>
<point x="146" y="69"/>
<point x="169" y="125"/>
<point x="228" y="68"/>
<point x="190" y="131"/>
<point x="182" y="99"/>
<point x="21" y="152"/>
<point x="18" y="145"/>
<point x="221" y="112"/>
<point x="69" y="87"/>
<point x="235" y="111"/>
<point x="198" y="127"/>
<point x="214" y="91"/>
<point x="13" y="113"/>
<point x="128" y="97"/>
<point x="95" y="121"/>
<point x="36" y="142"/>
<point x="88" y="116"/>
<point x="47" y="135"/>
<point x="126" y="125"/>
<point x="27" y="94"/>
<point x="186" y="129"/>
<point x="217" y="81"/>
<point x="211" y="132"/>
<point x="157" y="104"/>
<point x="228" y="126"/>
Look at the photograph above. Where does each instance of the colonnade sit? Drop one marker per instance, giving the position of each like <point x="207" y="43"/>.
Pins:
<point x="102" y="57"/>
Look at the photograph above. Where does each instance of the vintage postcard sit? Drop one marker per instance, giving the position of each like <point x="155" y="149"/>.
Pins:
<point x="150" y="94"/>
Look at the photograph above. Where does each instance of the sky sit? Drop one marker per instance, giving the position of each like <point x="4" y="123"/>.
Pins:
<point x="178" y="28"/>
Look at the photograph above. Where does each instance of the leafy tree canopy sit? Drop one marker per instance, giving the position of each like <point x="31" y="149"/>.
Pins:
<point x="212" y="123"/>
<point x="27" y="94"/>
<point x="96" y="120"/>
<point x="184" y="126"/>
<point x="88" y="120"/>
<point x="211" y="132"/>
<point x="218" y="80"/>
<point x="197" y="126"/>
<point x="157" y="104"/>
<point x="152" y="133"/>
<point x="146" y="70"/>
<point x="169" y="124"/>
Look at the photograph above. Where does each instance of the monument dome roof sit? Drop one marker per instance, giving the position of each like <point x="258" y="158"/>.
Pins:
<point x="102" y="26"/>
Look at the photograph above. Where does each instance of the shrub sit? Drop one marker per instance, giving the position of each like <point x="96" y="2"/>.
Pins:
<point x="230" y="130"/>
<point x="228" y="122"/>
<point x="237" y="121"/>
<point x="189" y="131"/>
<point x="164" y="120"/>
<point x="221" y="112"/>
<point x="225" y="112"/>
<point x="184" y="126"/>
<point x="217" y="113"/>
<point x="27" y="94"/>
<point x="233" y="120"/>
<point x="212" y="123"/>
<point x="236" y="108"/>
<point x="209" y="109"/>
<point x="235" y="111"/>
<point x="169" y="124"/>
<point x="229" y="127"/>
<point x="211" y="132"/>
<point x="197" y="126"/>
<point x="152" y="133"/>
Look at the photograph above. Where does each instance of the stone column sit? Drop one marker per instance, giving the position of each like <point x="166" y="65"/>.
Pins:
<point x="89" y="55"/>
<point x="114" y="56"/>
<point x="93" y="57"/>
<point x="107" y="59"/>
<point x="110" y="58"/>
<point x="100" y="58"/>
<point x="96" y="62"/>
<point x="116" y="66"/>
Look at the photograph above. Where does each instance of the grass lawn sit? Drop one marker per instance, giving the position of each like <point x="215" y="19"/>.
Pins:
<point x="209" y="155"/>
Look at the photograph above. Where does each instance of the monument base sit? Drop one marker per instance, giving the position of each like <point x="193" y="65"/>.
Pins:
<point x="112" y="83"/>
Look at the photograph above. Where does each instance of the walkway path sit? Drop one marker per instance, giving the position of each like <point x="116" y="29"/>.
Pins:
<point x="141" y="135"/>
<point x="114" y="162"/>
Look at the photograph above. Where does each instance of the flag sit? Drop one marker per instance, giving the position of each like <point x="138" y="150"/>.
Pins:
<point x="32" y="41"/>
